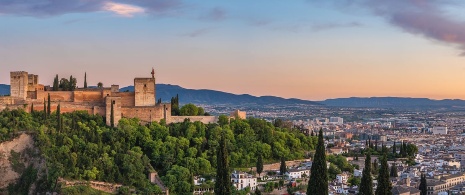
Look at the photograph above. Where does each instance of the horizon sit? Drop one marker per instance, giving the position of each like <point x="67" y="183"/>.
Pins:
<point x="311" y="50"/>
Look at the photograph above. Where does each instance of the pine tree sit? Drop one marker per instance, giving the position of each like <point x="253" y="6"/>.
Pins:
<point x="393" y="171"/>
<point x="423" y="185"/>
<point x="259" y="164"/>
<point x="223" y="177"/>
<point x="318" y="183"/>
<point x="85" y="80"/>
<point x="55" y="83"/>
<point x="58" y="119"/>
<point x="366" y="184"/>
<point x="282" y="166"/>
<point x="112" y="114"/>
<point x="384" y="183"/>
<point x="48" y="106"/>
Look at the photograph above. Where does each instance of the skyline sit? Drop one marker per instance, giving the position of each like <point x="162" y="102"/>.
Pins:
<point x="310" y="50"/>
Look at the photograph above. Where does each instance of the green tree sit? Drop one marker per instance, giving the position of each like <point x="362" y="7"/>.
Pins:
<point x="55" y="83"/>
<point x="32" y="108"/>
<point x="366" y="184"/>
<point x="282" y="167"/>
<point x="85" y="80"/>
<point x="112" y="114"/>
<point x="318" y="183"/>
<point x="223" y="120"/>
<point x="175" y="106"/>
<point x="393" y="172"/>
<point x="384" y="183"/>
<point x="223" y="177"/>
<point x="45" y="111"/>
<point x="48" y="106"/>
<point x="259" y="164"/>
<point x="189" y="110"/>
<point x="59" y="125"/>
<point x="257" y="191"/>
<point x="354" y="181"/>
<point x="423" y="185"/>
<point x="100" y="85"/>
<point x="394" y="149"/>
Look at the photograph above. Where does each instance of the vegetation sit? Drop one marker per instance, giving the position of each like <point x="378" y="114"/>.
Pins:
<point x="64" y="84"/>
<point x="384" y="183"/>
<point x="366" y="184"/>
<point x="423" y="185"/>
<point x="318" y="183"/>
<point x="223" y="175"/>
<point x="259" y="164"/>
<point x="191" y="110"/>
<point x="85" y="80"/>
<point x="87" y="149"/>
<point x="77" y="190"/>
<point x="175" y="111"/>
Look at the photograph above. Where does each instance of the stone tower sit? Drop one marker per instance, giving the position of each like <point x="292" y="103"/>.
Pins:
<point x="144" y="90"/>
<point x="19" y="84"/>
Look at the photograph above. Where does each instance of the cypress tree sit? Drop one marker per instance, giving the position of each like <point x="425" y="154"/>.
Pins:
<point x="32" y="108"/>
<point x="423" y="185"/>
<point x="45" y="111"/>
<point x="366" y="184"/>
<point x="374" y="170"/>
<point x="85" y="80"/>
<point x="384" y="183"/>
<point x="376" y="145"/>
<point x="394" y="149"/>
<point x="112" y="114"/>
<point x="223" y="177"/>
<point x="55" y="83"/>
<point x="318" y="183"/>
<point x="58" y="119"/>
<point x="259" y="164"/>
<point x="48" y="106"/>
<point x="282" y="167"/>
<point x="393" y="171"/>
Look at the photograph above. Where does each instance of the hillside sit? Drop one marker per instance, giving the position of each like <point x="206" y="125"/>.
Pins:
<point x="205" y="96"/>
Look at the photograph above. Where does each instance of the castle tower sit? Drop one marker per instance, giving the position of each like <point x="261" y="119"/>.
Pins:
<point x="19" y="84"/>
<point x="144" y="90"/>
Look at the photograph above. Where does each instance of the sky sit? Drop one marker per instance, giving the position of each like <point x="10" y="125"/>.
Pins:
<point x="307" y="49"/>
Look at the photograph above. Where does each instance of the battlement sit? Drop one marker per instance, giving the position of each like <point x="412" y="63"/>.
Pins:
<point x="18" y="73"/>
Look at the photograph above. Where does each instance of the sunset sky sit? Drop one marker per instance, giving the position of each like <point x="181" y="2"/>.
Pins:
<point x="313" y="49"/>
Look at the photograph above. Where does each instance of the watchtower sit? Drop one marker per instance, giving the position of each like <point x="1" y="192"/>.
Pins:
<point x="144" y="91"/>
<point x="19" y="84"/>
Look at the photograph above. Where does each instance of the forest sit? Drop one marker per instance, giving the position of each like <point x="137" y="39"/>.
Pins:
<point x="80" y="146"/>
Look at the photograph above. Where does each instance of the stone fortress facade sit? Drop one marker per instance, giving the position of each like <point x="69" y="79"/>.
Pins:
<point x="26" y="91"/>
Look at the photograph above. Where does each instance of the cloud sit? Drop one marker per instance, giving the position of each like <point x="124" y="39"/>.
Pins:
<point x="328" y="26"/>
<point x="215" y="14"/>
<point x="196" y="33"/>
<point x="48" y="8"/>
<point x="122" y="9"/>
<point x="427" y="18"/>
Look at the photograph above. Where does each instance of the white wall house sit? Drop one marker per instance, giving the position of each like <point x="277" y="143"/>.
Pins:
<point x="241" y="180"/>
<point x="297" y="173"/>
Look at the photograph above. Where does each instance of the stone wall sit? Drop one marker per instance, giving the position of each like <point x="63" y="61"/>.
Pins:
<point x="127" y="98"/>
<point x="147" y="114"/>
<point x="116" y="109"/>
<point x="88" y="96"/>
<point x="19" y="84"/>
<point x="203" y="119"/>
<point x="56" y="96"/>
<point x="144" y="89"/>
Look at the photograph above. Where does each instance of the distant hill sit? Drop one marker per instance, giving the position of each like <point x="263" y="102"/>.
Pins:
<point x="397" y="102"/>
<point x="205" y="96"/>
<point x="4" y="89"/>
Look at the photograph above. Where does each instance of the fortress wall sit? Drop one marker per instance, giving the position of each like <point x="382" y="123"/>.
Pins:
<point x="116" y="101"/>
<point x="32" y="94"/>
<point x="7" y="100"/>
<point x="88" y="96"/>
<point x="144" y="113"/>
<point x="127" y="98"/>
<point x="99" y="110"/>
<point x="56" y="96"/>
<point x="203" y="119"/>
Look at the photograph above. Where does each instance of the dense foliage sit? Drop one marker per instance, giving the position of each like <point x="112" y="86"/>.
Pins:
<point x="366" y="184"/>
<point x="85" y="148"/>
<point x="318" y="182"/>
<point x="384" y="182"/>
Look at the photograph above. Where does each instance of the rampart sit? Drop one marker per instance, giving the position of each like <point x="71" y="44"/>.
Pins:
<point x="203" y="119"/>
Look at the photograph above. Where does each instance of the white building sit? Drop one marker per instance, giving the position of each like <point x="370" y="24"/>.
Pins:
<point x="342" y="178"/>
<point x="241" y="180"/>
<point x="297" y="173"/>
<point x="336" y="120"/>
<point x="439" y="130"/>
<point x="358" y="173"/>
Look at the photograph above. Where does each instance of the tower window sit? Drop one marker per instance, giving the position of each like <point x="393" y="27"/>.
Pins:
<point x="145" y="85"/>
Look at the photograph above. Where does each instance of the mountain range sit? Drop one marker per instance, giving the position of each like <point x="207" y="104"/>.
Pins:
<point x="212" y="97"/>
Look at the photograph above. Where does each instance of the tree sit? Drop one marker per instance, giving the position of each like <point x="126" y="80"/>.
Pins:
<point x="423" y="185"/>
<point x="318" y="183"/>
<point x="282" y="166"/>
<point x="393" y="171"/>
<point x="32" y="108"/>
<point x="189" y="110"/>
<point x="384" y="183"/>
<point x="366" y="184"/>
<point x="55" y="83"/>
<point x="223" y="177"/>
<point x="48" y="105"/>
<point x="394" y="149"/>
<point x="112" y="114"/>
<point x="257" y="191"/>
<point x="85" y="80"/>
<point x="175" y="106"/>
<point x="45" y="110"/>
<point x="100" y="85"/>
<point x="259" y="164"/>
<point x="59" y="127"/>
<point x="376" y="145"/>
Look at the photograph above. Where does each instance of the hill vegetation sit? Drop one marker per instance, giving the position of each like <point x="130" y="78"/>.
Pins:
<point x="84" y="148"/>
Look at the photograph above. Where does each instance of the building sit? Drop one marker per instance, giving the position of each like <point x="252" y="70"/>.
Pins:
<point x="297" y="173"/>
<point x="336" y="120"/>
<point x="241" y="180"/>
<point x="439" y="130"/>
<point x="26" y="91"/>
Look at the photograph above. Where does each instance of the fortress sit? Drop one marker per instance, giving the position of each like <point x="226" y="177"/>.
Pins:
<point x="26" y="91"/>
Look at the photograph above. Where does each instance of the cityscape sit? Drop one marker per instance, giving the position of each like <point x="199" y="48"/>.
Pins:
<point x="181" y="97"/>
